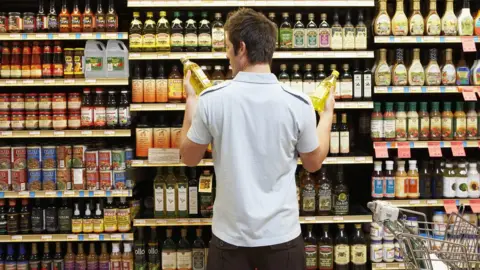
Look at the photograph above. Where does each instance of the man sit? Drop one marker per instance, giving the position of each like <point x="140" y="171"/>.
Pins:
<point x="257" y="127"/>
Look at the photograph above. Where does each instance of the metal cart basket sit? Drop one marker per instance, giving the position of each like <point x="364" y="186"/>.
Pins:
<point x="428" y="245"/>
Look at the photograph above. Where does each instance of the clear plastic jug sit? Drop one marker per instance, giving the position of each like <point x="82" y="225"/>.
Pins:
<point x="95" y="60"/>
<point x="117" y="59"/>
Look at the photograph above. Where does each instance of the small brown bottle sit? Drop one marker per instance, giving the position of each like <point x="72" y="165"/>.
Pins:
<point x="69" y="257"/>
<point x="104" y="259"/>
<point x="92" y="258"/>
<point x="175" y="85"/>
<point x="80" y="259"/>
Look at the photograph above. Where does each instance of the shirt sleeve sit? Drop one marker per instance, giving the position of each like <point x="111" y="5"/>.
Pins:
<point x="199" y="132"/>
<point x="307" y="139"/>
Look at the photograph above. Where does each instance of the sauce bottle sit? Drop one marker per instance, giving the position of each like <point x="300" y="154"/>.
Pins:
<point x="144" y="138"/>
<point x="47" y="261"/>
<point x="69" y="257"/>
<point x="175" y="85"/>
<point x="337" y="33"/>
<point x="65" y="217"/>
<point x="382" y="23"/>
<point x="433" y="23"/>
<point x="465" y="20"/>
<point x="10" y="260"/>
<point x="376" y="124"/>
<point x="447" y="122"/>
<point x="77" y="18"/>
<point x="449" y="181"/>
<point x="425" y="180"/>
<point x="416" y="21"/>
<point x="25" y="225"/>
<point x="58" y="60"/>
<point x="378" y="182"/>
<point x="412" y="122"/>
<point x="416" y="73"/>
<point x="123" y="216"/>
<point x="412" y="178"/>
<point x="100" y="20"/>
<point x="401" y="181"/>
<point x="389" y="175"/>
<point x="26" y="60"/>
<point x="34" y="262"/>
<point x="472" y="122"/>
<point x="112" y="17"/>
<point x="383" y="75"/>
<point x="476" y="22"/>
<point x="16" y="62"/>
<point x="3" y="217"/>
<point x="449" y="73"/>
<point x="399" y="21"/>
<point x="41" y="18"/>
<point x="149" y="85"/>
<point x="432" y="71"/>
<point x="77" y="222"/>
<point x="58" y="262"/>
<point x="399" y="71"/>
<point x="47" y="66"/>
<point x="463" y="72"/>
<point x="204" y="33"/>
<point x="99" y="109"/>
<point x="98" y="224"/>
<point x="92" y="258"/>
<point x="22" y="262"/>
<point x="104" y="258"/>
<point x="124" y="116"/>
<point x="112" y="110"/>
<point x="110" y="216"/>
<point x="177" y="40"/>
<point x="64" y="19"/>
<point x="52" y="18"/>
<point x="135" y="33"/>
<point x="190" y="34"/>
<point x="449" y="20"/>
<point x="401" y="122"/>
<point x="12" y="217"/>
<point x="161" y="85"/>
<point x="36" y="61"/>
<point x="87" y="220"/>
<point x="37" y="217"/>
<point x="148" y="34"/>
<point x="127" y="257"/>
<point x="161" y="134"/>
<point x="435" y="122"/>
<point x="116" y="257"/>
<point x="5" y="73"/>
<point x="461" y="183"/>
<point x="51" y="215"/>
<point x="137" y="86"/>
<point x="87" y="109"/>
<point x="424" y="119"/>
<point x="460" y="122"/>
<point x="88" y="19"/>
<point x="80" y="258"/>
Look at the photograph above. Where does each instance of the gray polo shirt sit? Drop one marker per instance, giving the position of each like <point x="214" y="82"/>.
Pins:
<point x="257" y="128"/>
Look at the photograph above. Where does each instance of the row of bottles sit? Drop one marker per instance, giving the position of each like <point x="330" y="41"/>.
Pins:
<point x="353" y="84"/>
<point x="28" y="256"/>
<point x="339" y="136"/>
<point x="432" y="25"/>
<point x="82" y="217"/>
<point x="421" y="125"/>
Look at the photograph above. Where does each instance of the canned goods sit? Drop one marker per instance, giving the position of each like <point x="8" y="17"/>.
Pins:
<point x="78" y="178"/>
<point x="105" y="180"/>
<point x="119" y="179"/>
<point x="5" y="157"/>
<point x="118" y="159"/>
<point x="91" y="160"/>
<point x="64" y="181"/>
<point x="92" y="180"/>
<point x="78" y="156"/>
<point x="19" y="179"/>
<point x="19" y="157"/>
<point x="34" y="157"/>
<point x="64" y="156"/>
<point x="34" y="179"/>
<point x="105" y="160"/>
<point x="128" y="157"/>
<point x="49" y="179"/>
<point x="49" y="156"/>
<point x="5" y="179"/>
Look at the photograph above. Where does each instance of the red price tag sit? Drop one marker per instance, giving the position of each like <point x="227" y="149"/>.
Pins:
<point x="457" y="149"/>
<point x="381" y="150"/>
<point x="404" y="150"/>
<point x="475" y="205"/>
<point x="434" y="149"/>
<point x="468" y="93"/>
<point x="450" y="206"/>
<point x="468" y="44"/>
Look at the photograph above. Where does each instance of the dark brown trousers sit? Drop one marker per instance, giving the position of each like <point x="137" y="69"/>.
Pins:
<point x="285" y="256"/>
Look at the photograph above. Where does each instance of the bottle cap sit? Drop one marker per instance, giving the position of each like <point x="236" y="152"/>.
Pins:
<point x="335" y="73"/>
<point x="163" y="13"/>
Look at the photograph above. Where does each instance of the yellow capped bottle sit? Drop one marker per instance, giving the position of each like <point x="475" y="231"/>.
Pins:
<point x="198" y="78"/>
<point x="320" y="96"/>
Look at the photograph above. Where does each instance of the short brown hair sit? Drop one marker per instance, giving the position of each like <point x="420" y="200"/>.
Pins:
<point x="257" y="32"/>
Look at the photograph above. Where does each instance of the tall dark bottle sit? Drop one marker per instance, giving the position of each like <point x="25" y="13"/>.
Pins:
<point x="425" y="179"/>
<point x="25" y="224"/>
<point x="41" y="18"/>
<point x="37" y="217"/>
<point x="325" y="250"/>
<point x="12" y="217"/>
<point x="10" y="260"/>
<point x="311" y="255"/>
<point x="52" y="18"/>
<point x="139" y="245"/>
<point x="324" y="197"/>
<point x="437" y="180"/>
<point x="34" y="260"/>
<point x="341" y="250"/>
<point x="358" y="249"/>
<point x="47" y="261"/>
<point x="153" y="251"/>
<point x="22" y="261"/>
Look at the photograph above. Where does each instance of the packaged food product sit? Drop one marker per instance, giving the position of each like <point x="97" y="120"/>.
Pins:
<point x="49" y="179"/>
<point x="34" y="179"/>
<point x="5" y="179"/>
<point x="19" y="179"/>
<point x="49" y="157"/>
<point x="34" y="157"/>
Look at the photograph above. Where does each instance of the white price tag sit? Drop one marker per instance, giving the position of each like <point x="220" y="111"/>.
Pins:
<point x="134" y="55"/>
<point x="337" y="218"/>
<point x="218" y="55"/>
<point x="140" y="221"/>
<point x="23" y="194"/>
<point x="50" y="194"/>
<point x="432" y="201"/>
<point x="112" y="35"/>
<point x="136" y="106"/>
<point x="310" y="219"/>
<point x="170" y="106"/>
<point x="329" y="54"/>
<point x="428" y="39"/>
<point x="68" y="193"/>
<point x="360" y="158"/>
<point x="72" y="237"/>
<point x="194" y="221"/>
<point x="41" y="36"/>
<point x="59" y="133"/>
<point x="109" y="132"/>
<point x="90" y="81"/>
<point x="160" y="221"/>
<point x="11" y="82"/>
<point x="5" y="133"/>
<point x="69" y="81"/>
<point x="99" y="193"/>
<point x="116" y="236"/>
<point x="86" y="132"/>
<point x="34" y="133"/>
<point x="46" y="237"/>
<point x="182" y="221"/>
<point x="48" y="81"/>
<point x="93" y="236"/>
<point x="117" y="192"/>
<point x="86" y="35"/>
<point x="380" y="265"/>
<point x="414" y="202"/>
<point x="163" y="155"/>
<point x="17" y="238"/>
<point x="137" y="162"/>
<point x="27" y="81"/>
<point x="14" y="35"/>
<point x="64" y="35"/>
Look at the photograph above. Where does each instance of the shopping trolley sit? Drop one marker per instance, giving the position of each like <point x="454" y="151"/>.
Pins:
<point x="428" y="245"/>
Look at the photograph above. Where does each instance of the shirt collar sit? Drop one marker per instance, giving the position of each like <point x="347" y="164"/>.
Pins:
<point x="252" y="77"/>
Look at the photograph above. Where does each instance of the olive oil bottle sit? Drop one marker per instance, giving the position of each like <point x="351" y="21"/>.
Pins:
<point x="177" y="40"/>
<point x="198" y="78"/>
<point x="163" y="33"/>
<point x="148" y="34"/>
<point x="135" y="33"/>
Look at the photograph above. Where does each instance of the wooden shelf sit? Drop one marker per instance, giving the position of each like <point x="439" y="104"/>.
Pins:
<point x="64" y="36"/>
<point x="235" y="3"/>
<point x="209" y="162"/>
<point x="395" y="265"/>
<point x="415" y="89"/>
<point x="424" y="144"/>
<point x="420" y="39"/>
<point x="67" y="237"/>
<point x="276" y="55"/>
<point x="66" y="194"/>
<point x="208" y="221"/>
<point x="65" y="133"/>
<point x="62" y="82"/>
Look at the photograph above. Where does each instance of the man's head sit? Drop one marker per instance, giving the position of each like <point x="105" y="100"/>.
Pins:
<point x="250" y="39"/>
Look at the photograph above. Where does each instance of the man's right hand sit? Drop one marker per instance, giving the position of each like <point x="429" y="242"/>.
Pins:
<point x="330" y="104"/>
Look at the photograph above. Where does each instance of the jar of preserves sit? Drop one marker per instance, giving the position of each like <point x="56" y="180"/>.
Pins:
<point x="78" y="63"/>
<point x="4" y="101"/>
<point x="59" y="120"/>
<point x="74" y="119"/>
<point x="68" y="67"/>
<point x="17" y="102"/>
<point x="59" y="101"/>
<point x="45" y="120"/>
<point x="3" y="22"/>
<point x="45" y="101"/>
<point x="5" y="120"/>
<point x="29" y="22"/>
<point x="31" y="120"/>
<point x="18" y="120"/>
<point x="74" y="101"/>
<point x="31" y="102"/>
<point x="15" y="22"/>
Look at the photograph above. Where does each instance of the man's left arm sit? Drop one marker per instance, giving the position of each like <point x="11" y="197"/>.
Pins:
<point x="195" y="136"/>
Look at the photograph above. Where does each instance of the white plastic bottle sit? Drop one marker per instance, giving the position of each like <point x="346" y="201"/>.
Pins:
<point x="117" y="59"/>
<point x="473" y="180"/>
<point x="95" y="60"/>
<point x="461" y="182"/>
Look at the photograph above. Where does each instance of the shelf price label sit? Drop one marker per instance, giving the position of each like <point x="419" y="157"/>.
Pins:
<point x="450" y="206"/>
<point x="475" y="205"/>
<point x="404" y="150"/>
<point x="457" y="149"/>
<point x="434" y="149"/>
<point x="17" y="238"/>
<point x="468" y="93"/>
<point x="46" y="237"/>
<point x="381" y="150"/>
<point x="468" y="44"/>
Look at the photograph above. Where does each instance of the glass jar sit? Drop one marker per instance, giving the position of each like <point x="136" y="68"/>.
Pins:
<point x="74" y="101"/>
<point x="17" y="102"/>
<point x="18" y="120"/>
<point x="45" y="120"/>
<point x="59" y="120"/>
<point x="5" y="120"/>
<point x="439" y="223"/>
<point x="412" y="224"/>
<point x="388" y="251"/>
<point x="74" y="119"/>
<point x="4" y="101"/>
<point x="3" y="22"/>
<point x="59" y="102"/>
<point x="15" y="22"/>
<point x="376" y="251"/>
<point x="29" y="22"/>
<point x="376" y="231"/>
<point x="31" y="102"/>
<point x="398" y="252"/>
<point x="31" y="120"/>
<point x="45" y="101"/>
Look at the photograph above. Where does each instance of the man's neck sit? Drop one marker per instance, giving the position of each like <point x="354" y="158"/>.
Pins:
<point x="258" y="68"/>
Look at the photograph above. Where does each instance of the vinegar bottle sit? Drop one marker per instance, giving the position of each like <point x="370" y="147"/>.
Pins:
<point x="377" y="181"/>
<point x="412" y="178"/>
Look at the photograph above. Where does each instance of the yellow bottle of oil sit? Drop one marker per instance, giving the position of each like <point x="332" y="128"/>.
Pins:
<point x="320" y="96"/>
<point x="198" y="78"/>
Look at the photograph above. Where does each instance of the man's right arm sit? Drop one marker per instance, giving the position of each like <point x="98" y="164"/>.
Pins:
<point x="312" y="161"/>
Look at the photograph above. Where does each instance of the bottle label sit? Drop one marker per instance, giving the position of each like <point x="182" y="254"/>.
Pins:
<point x="99" y="116"/>
<point x="198" y="259"/>
<point x="359" y="254"/>
<point x="337" y="38"/>
<point x="346" y="90"/>
<point x="344" y="142"/>
<point x="110" y="219"/>
<point x="149" y="90"/>
<point x="436" y="127"/>
<point x="205" y="40"/>
<point x="184" y="260"/>
<point x="460" y="127"/>
<point x="342" y="254"/>
<point x="376" y="127"/>
<point x="389" y="128"/>
<point x="325" y="35"/>
<point x="308" y="198"/>
<point x="472" y="126"/>
<point x="298" y="38"/>
<point x="400" y="191"/>
<point x="348" y="38"/>
<point x="433" y="25"/>
<point x="135" y="41"/>
<point x="449" y="186"/>
<point x="312" y="37"/>
<point x="170" y="195"/>
<point x="367" y="85"/>
<point x="361" y="38"/>
<point x="87" y="225"/>
<point x="447" y="127"/>
<point x="416" y="74"/>
<point x="128" y="265"/>
<point x="159" y="198"/>
<point x="389" y="187"/>
<point x="100" y="22"/>
<point x="425" y="127"/>
<point x="417" y="25"/>
<point x="382" y="25"/>
<point x="286" y="38"/>
<point x="401" y="128"/>
<point x="448" y="74"/>
<point x="91" y="265"/>
<point x="175" y="89"/>
<point x="23" y="265"/>
<point x="462" y="186"/>
<point x="325" y="257"/>
<point x="357" y="86"/>
<point x="11" y="265"/>
<point x="115" y="64"/>
<point x="434" y="76"/>
<point x="102" y="265"/>
<point x="191" y="40"/>
<point x="413" y="124"/>
<point x="449" y="25"/>
<point x="98" y="226"/>
<point x="111" y="21"/>
<point x="193" y="200"/>
<point x="182" y="197"/>
<point x="169" y="260"/>
<point x="400" y="25"/>
<point x="117" y="264"/>
<point x="400" y="75"/>
<point x="308" y="87"/>
<point x="149" y="41"/>
<point x="163" y="40"/>
<point x="311" y="257"/>
<point x="325" y="198"/>
<point x="335" y="142"/>
<point x="340" y="204"/>
<point x="218" y="38"/>
<point x="177" y="40"/>
<point x="124" y="116"/>
<point x="124" y="219"/>
<point x="112" y="116"/>
<point x="377" y="187"/>
<point x="463" y="76"/>
<point x="382" y="75"/>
